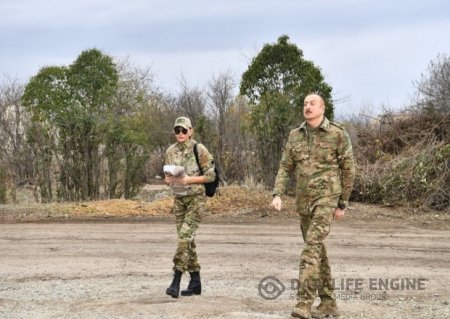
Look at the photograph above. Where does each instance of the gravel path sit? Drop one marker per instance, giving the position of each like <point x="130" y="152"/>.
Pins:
<point x="121" y="270"/>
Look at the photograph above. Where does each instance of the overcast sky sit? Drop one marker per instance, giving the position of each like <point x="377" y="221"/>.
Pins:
<point x="370" y="51"/>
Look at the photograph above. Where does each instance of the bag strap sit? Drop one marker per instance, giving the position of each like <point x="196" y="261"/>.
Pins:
<point x="196" y="158"/>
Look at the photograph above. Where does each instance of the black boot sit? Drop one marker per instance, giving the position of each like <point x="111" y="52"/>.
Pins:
<point x="174" y="289"/>
<point x="195" y="286"/>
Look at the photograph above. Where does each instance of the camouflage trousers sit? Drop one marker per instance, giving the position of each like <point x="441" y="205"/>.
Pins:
<point x="188" y="212"/>
<point x="315" y="273"/>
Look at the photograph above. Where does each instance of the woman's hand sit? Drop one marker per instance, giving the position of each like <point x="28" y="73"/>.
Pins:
<point x="185" y="180"/>
<point x="169" y="179"/>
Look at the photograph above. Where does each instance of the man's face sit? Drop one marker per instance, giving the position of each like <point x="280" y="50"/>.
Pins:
<point x="313" y="107"/>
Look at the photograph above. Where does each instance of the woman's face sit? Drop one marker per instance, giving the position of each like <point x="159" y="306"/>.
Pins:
<point x="182" y="134"/>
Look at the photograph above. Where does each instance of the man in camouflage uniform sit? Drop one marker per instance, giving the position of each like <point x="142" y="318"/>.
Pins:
<point x="189" y="203"/>
<point x="320" y="154"/>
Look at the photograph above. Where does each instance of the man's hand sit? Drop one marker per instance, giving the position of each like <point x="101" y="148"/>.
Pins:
<point x="276" y="203"/>
<point x="339" y="213"/>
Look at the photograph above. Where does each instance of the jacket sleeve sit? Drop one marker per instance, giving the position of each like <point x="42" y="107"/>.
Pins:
<point x="166" y="158"/>
<point x="206" y="162"/>
<point x="346" y="164"/>
<point x="287" y="165"/>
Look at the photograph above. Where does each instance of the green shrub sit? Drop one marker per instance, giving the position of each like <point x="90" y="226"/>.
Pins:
<point x="419" y="176"/>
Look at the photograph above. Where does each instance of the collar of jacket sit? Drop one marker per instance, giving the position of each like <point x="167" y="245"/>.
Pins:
<point x="324" y="126"/>
<point x="185" y="145"/>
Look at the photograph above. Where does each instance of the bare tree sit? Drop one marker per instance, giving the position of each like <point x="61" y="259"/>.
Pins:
<point x="220" y="97"/>
<point x="191" y="101"/>
<point x="434" y="87"/>
<point x="240" y="162"/>
<point x="15" y="155"/>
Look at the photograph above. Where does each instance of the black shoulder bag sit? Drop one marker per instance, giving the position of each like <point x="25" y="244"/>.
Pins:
<point x="212" y="187"/>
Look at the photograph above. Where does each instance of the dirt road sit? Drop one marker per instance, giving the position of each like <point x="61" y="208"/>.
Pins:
<point x="121" y="270"/>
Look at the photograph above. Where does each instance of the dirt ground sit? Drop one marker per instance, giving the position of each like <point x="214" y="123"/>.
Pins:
<point x="386" y="265"/>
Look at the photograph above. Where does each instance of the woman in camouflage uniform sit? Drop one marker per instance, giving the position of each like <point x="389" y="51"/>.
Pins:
<point x="189" y="203"/>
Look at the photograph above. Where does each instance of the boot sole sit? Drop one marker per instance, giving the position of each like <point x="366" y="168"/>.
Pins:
<point x="172" y="293"/>
<point x="321" y="316"/>
<point x="185" y="293"/>
<point x="296" y="315"/>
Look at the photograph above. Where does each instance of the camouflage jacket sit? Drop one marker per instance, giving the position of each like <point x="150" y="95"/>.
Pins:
<point x="325" y="170"/>
<point x="182" y="154"/>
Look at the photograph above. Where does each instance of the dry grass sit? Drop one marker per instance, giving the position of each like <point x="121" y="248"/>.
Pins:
<point x="232" y="200"/>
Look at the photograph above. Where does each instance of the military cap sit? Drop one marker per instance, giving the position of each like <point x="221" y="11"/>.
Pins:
<point x="183" y="122"/>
